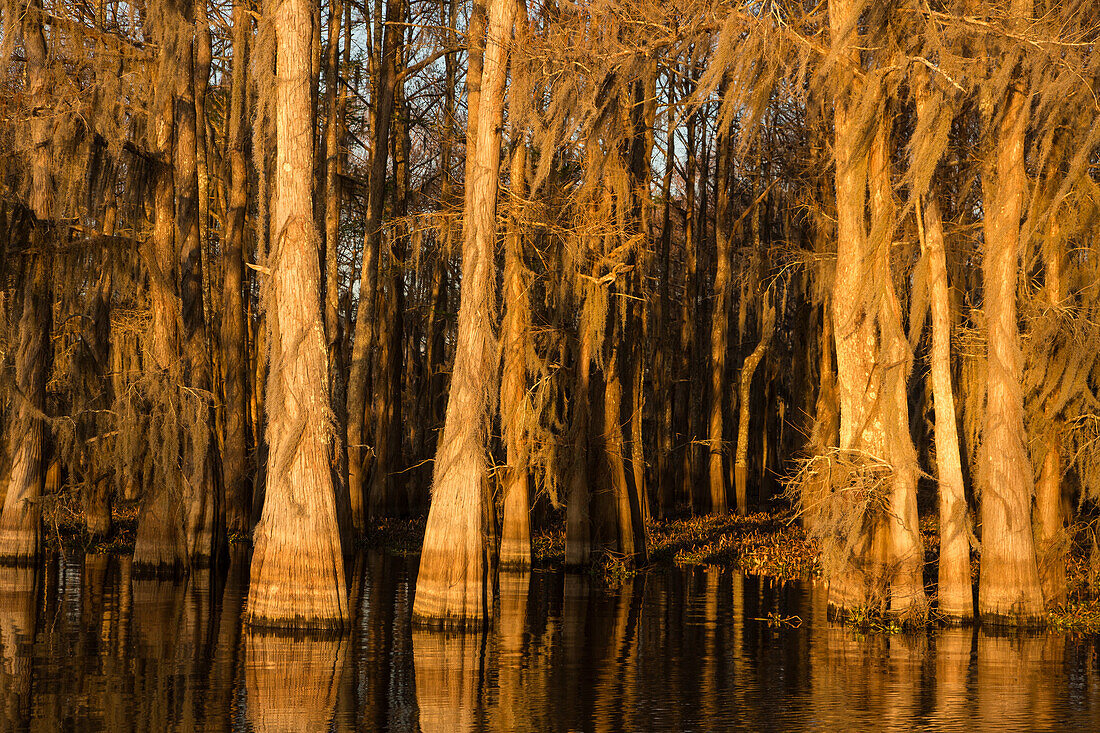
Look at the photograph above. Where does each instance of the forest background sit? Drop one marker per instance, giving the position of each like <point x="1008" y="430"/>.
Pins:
<point x="277" y="271"/>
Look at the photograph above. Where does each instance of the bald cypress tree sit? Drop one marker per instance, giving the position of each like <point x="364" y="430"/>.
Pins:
<point x="515" y="542"/>
<point x="20" y="519"/>
<point x="879" y="554"/>
<point x="234" y="336"/>
<point x="1009" y="589"/>
<point x="297" y="564"/>
<point x="453" y="586"/>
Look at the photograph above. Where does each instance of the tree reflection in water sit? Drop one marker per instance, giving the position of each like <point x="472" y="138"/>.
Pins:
<point x="172" y="646"/>
<point x="449" y="677"/>
<point x="510" y="712"/>
<point x="17" y="617"/>
<point x="292" y="680"/>
<point x="84" y="647"/>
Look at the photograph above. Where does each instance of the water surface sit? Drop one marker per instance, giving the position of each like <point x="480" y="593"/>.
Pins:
<point x="83" y="646"/>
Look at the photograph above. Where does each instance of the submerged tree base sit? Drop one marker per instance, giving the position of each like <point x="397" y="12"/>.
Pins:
<point x="18" y="546"/>
<point x="295" y="589"/>
<point x="875" y="620"/>
<point x="451" y="623"/>
<point x="763" y="543"/>
<point x="453" y="588"/>
<point x="298" y="624"/>
<point x="1026" y="622"/>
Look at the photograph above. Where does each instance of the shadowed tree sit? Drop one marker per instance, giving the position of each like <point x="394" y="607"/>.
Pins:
<point x="20" y="519"/>
<point x="234" y="341"/>
<point x="366" y="326"/>
<point x="515" y="535"/>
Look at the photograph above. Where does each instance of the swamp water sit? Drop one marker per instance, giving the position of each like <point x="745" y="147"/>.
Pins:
<point x="85" y="647"/>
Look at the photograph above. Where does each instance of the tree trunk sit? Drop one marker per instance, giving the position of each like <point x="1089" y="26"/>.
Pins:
<point x="297" y="565"/>
<point x="748" y="370"/>
<point x="198" y="439"/>
<point x="1051" y="537"/>
<point x="97" y="491"/>
<point x="892" y="364"/>
<point x="386" y="497"/>
<point x="453" y="587"/>
<point x="578" y="525"/>
<point x="629" y="525"/>
<point x="515" y="542"/>
<point x="366" y="314"/>
<point x="825" y="433"/>
<point x="642" y="113"/>
<point x="955" y="592"/>
<point x="203" y="57"/>
<point x="1009" y="590"/>
<point x="719" y="329"/>
<point x="882" y="562"/>
<point x="435" y="347"/>
<point x="334" y="141"/>
<point x="684" y="390"/>
<point x="665" y="345"/>
<point x="21" y="517"/>
<point x="853" y="326"/>
<point x="234" y="337"/>
<point x="176" y="527"/>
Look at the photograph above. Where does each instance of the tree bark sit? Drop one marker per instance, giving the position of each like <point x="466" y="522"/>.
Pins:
<point x="892" y="364"/>
<point x="1009" y="590"/>
<point x="297" y="564"/>
<point x="1051" y="537"/>
<point x="333" y="197"/>
<point x="20" y="519"/>
<point x="515" y="542"/>
<point x="157" y="543"/>
<point x="748" y="370"/>
<point x="719" y="330"/>
<point x="454" y="584"/>
<point x="366" y="314"/>
<point x="578" y="525"/>
<point x="234" y="337"/>
<point x="955" y="593"/>
<point x="684" y="389"/>
<point x="435" y="347"/>
<point x="641" y="149"/>
<point x="96" y="494"/>
<point x="666" y="341"/>
<point x="629" y="525"/>
<point x="198" y="439"/>
<point x="883" y="564"/>
<point x="203" y="58"/>
<point x="853" y="326"/>
<point x="386" y="497"/>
